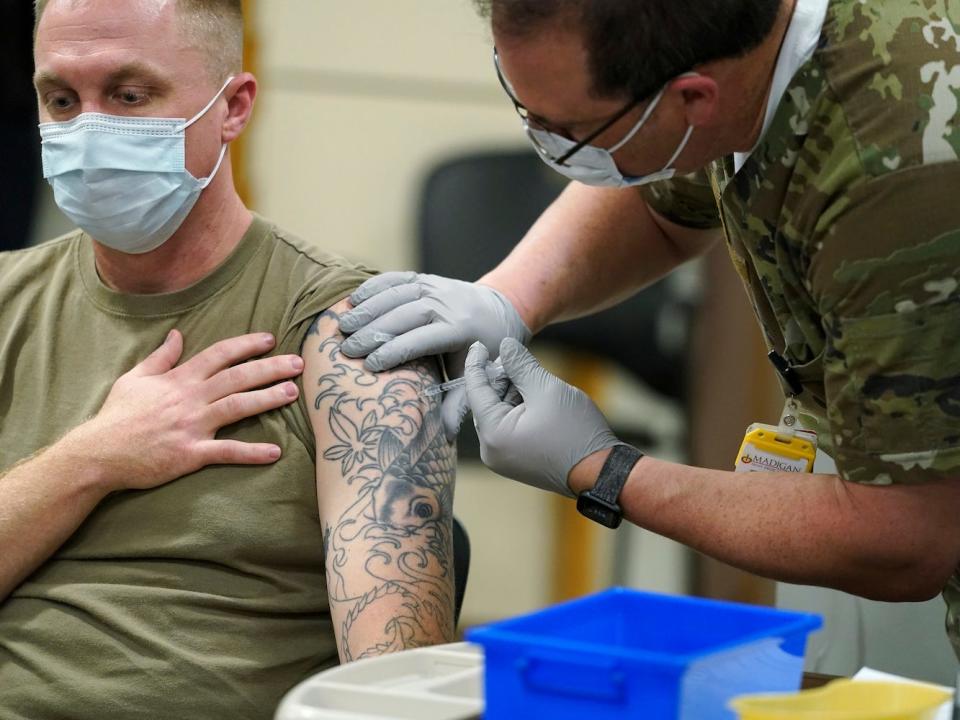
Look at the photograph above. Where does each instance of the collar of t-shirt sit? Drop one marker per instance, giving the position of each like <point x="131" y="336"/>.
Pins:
<point x="799" y="44"/>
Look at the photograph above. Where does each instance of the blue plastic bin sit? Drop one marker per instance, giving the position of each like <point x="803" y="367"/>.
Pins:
<point x="628" y="654"/>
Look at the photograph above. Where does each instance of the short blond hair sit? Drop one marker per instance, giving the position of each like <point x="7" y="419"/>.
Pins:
<point x="214" y="26"/>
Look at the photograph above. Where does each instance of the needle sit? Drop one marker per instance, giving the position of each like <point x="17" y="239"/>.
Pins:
<point x="494" y="372"/>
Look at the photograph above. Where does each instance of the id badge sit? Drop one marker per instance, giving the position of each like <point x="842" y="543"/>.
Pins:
<point x="778" y="448"/>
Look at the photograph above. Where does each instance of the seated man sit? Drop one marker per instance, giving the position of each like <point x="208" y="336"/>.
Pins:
<point x="164" y="535"/>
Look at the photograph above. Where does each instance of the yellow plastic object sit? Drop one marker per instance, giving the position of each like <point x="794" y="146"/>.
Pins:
<point x="846" y="700"/>
<point x="766" y="449"/>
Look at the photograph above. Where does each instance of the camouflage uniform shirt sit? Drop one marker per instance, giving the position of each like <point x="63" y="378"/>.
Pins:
<point x="844" y="224"/>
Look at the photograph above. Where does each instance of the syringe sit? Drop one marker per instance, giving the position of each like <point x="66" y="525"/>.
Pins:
<point x="495" y="371"/>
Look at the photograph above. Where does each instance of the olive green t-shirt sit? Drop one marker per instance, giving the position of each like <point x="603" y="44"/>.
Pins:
<point x="204" y="598"/>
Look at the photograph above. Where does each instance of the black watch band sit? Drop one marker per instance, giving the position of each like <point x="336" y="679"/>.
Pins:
<point x="600" y="503"/>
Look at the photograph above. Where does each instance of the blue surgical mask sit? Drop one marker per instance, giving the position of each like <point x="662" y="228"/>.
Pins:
<point x="595" y="166"/>
<point x="124" y="180"/>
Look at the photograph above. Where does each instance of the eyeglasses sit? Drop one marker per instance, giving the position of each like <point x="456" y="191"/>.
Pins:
<point x="529" y="119"/>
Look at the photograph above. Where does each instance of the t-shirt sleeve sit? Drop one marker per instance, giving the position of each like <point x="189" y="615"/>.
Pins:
<point x="687" y="200"/>
<point x="324" y="292"/>
<point x="325" y="288"/>
<point x="886" y="277"/>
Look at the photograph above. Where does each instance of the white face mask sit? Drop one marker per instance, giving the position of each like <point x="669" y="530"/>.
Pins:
<point x="123" y="180"/>
<point x="595" y="166"/>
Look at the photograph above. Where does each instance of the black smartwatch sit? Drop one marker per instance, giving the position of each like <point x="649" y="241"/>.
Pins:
<point x="600" y="503"/>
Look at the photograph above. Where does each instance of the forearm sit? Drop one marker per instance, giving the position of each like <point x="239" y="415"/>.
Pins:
<point x="878" y="542"/>
<point x="591" y="249"/>
<point x="43" y="500"/>
<point x="389" y="594"/>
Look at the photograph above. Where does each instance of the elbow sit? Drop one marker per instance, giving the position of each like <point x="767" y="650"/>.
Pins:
<point x="929" y="580"/>
<point x="687" y="243"/>
<point x="919" y="580"/>
<point x="910" y="545"/>
<point x="908" y="591"/>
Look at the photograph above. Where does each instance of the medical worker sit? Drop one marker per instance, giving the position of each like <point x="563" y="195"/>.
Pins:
<point x="820" y="140"/>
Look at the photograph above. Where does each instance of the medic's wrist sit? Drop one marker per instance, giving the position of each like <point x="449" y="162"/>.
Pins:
<point x="584" y="474"/>
<point x="534" y="322"/>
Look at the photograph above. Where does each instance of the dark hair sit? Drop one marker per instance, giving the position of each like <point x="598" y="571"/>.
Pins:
<point x="636" y="46"/>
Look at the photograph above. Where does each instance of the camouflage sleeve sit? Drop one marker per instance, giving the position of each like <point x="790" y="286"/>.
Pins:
<point x="886" y="277"/>
<point x="687" y="200"/>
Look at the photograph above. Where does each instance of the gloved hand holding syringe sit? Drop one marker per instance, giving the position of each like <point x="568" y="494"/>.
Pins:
<point x="495" y="372"/>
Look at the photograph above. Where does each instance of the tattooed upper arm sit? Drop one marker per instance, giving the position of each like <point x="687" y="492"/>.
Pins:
<point x="385" y="489"/>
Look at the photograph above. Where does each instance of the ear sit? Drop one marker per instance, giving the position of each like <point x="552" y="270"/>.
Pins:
<point x="701" y="99"/>
<point x="241" y="96"/>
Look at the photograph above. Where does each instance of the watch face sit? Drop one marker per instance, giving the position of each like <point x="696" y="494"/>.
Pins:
<point x="597" y="511"/>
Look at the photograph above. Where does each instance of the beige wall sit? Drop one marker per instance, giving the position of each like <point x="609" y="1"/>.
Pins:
<point x="359" y="100"/>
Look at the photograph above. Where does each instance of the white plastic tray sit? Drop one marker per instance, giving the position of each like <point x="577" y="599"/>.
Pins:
<point x="436" y="683"/>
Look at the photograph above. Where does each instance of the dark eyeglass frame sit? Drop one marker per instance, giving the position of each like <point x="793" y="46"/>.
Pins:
<point x="526" y="116"/>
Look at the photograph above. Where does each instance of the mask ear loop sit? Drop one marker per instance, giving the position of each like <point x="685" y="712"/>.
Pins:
<point x="680" y="149"/>
<point x="641" y="122"/>
<point x="209" y="105"/>
<point x="686" y="138"/>
<point x="223" y="150"/>
<point x="646" y="116"/>
<point x="209" y="179"/>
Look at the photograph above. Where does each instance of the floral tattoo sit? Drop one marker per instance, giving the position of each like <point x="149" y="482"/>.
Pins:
<point x="388" y="553"/>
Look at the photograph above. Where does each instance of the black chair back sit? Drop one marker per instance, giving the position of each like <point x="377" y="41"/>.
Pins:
<point x="475" y="208"/>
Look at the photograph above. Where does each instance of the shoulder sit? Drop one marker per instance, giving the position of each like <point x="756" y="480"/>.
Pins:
<point x="45" y="254"/>
<point x="310" y="280"/>
<point x="39" y="266"/>
<point x="322" y="354"/>
<point x="687" y="200"/>
<point x="893" y="73"/>
<point x="305" y="268"/>
<point x="881" y="157"/>
<point x="298" y="251"/>
<point x="337" y="381"/>
<point x="360" y="416"/>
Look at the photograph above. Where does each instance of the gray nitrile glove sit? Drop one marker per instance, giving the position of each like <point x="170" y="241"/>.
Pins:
<point x="541" y="439"/>
<point x="402" y="316"/>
